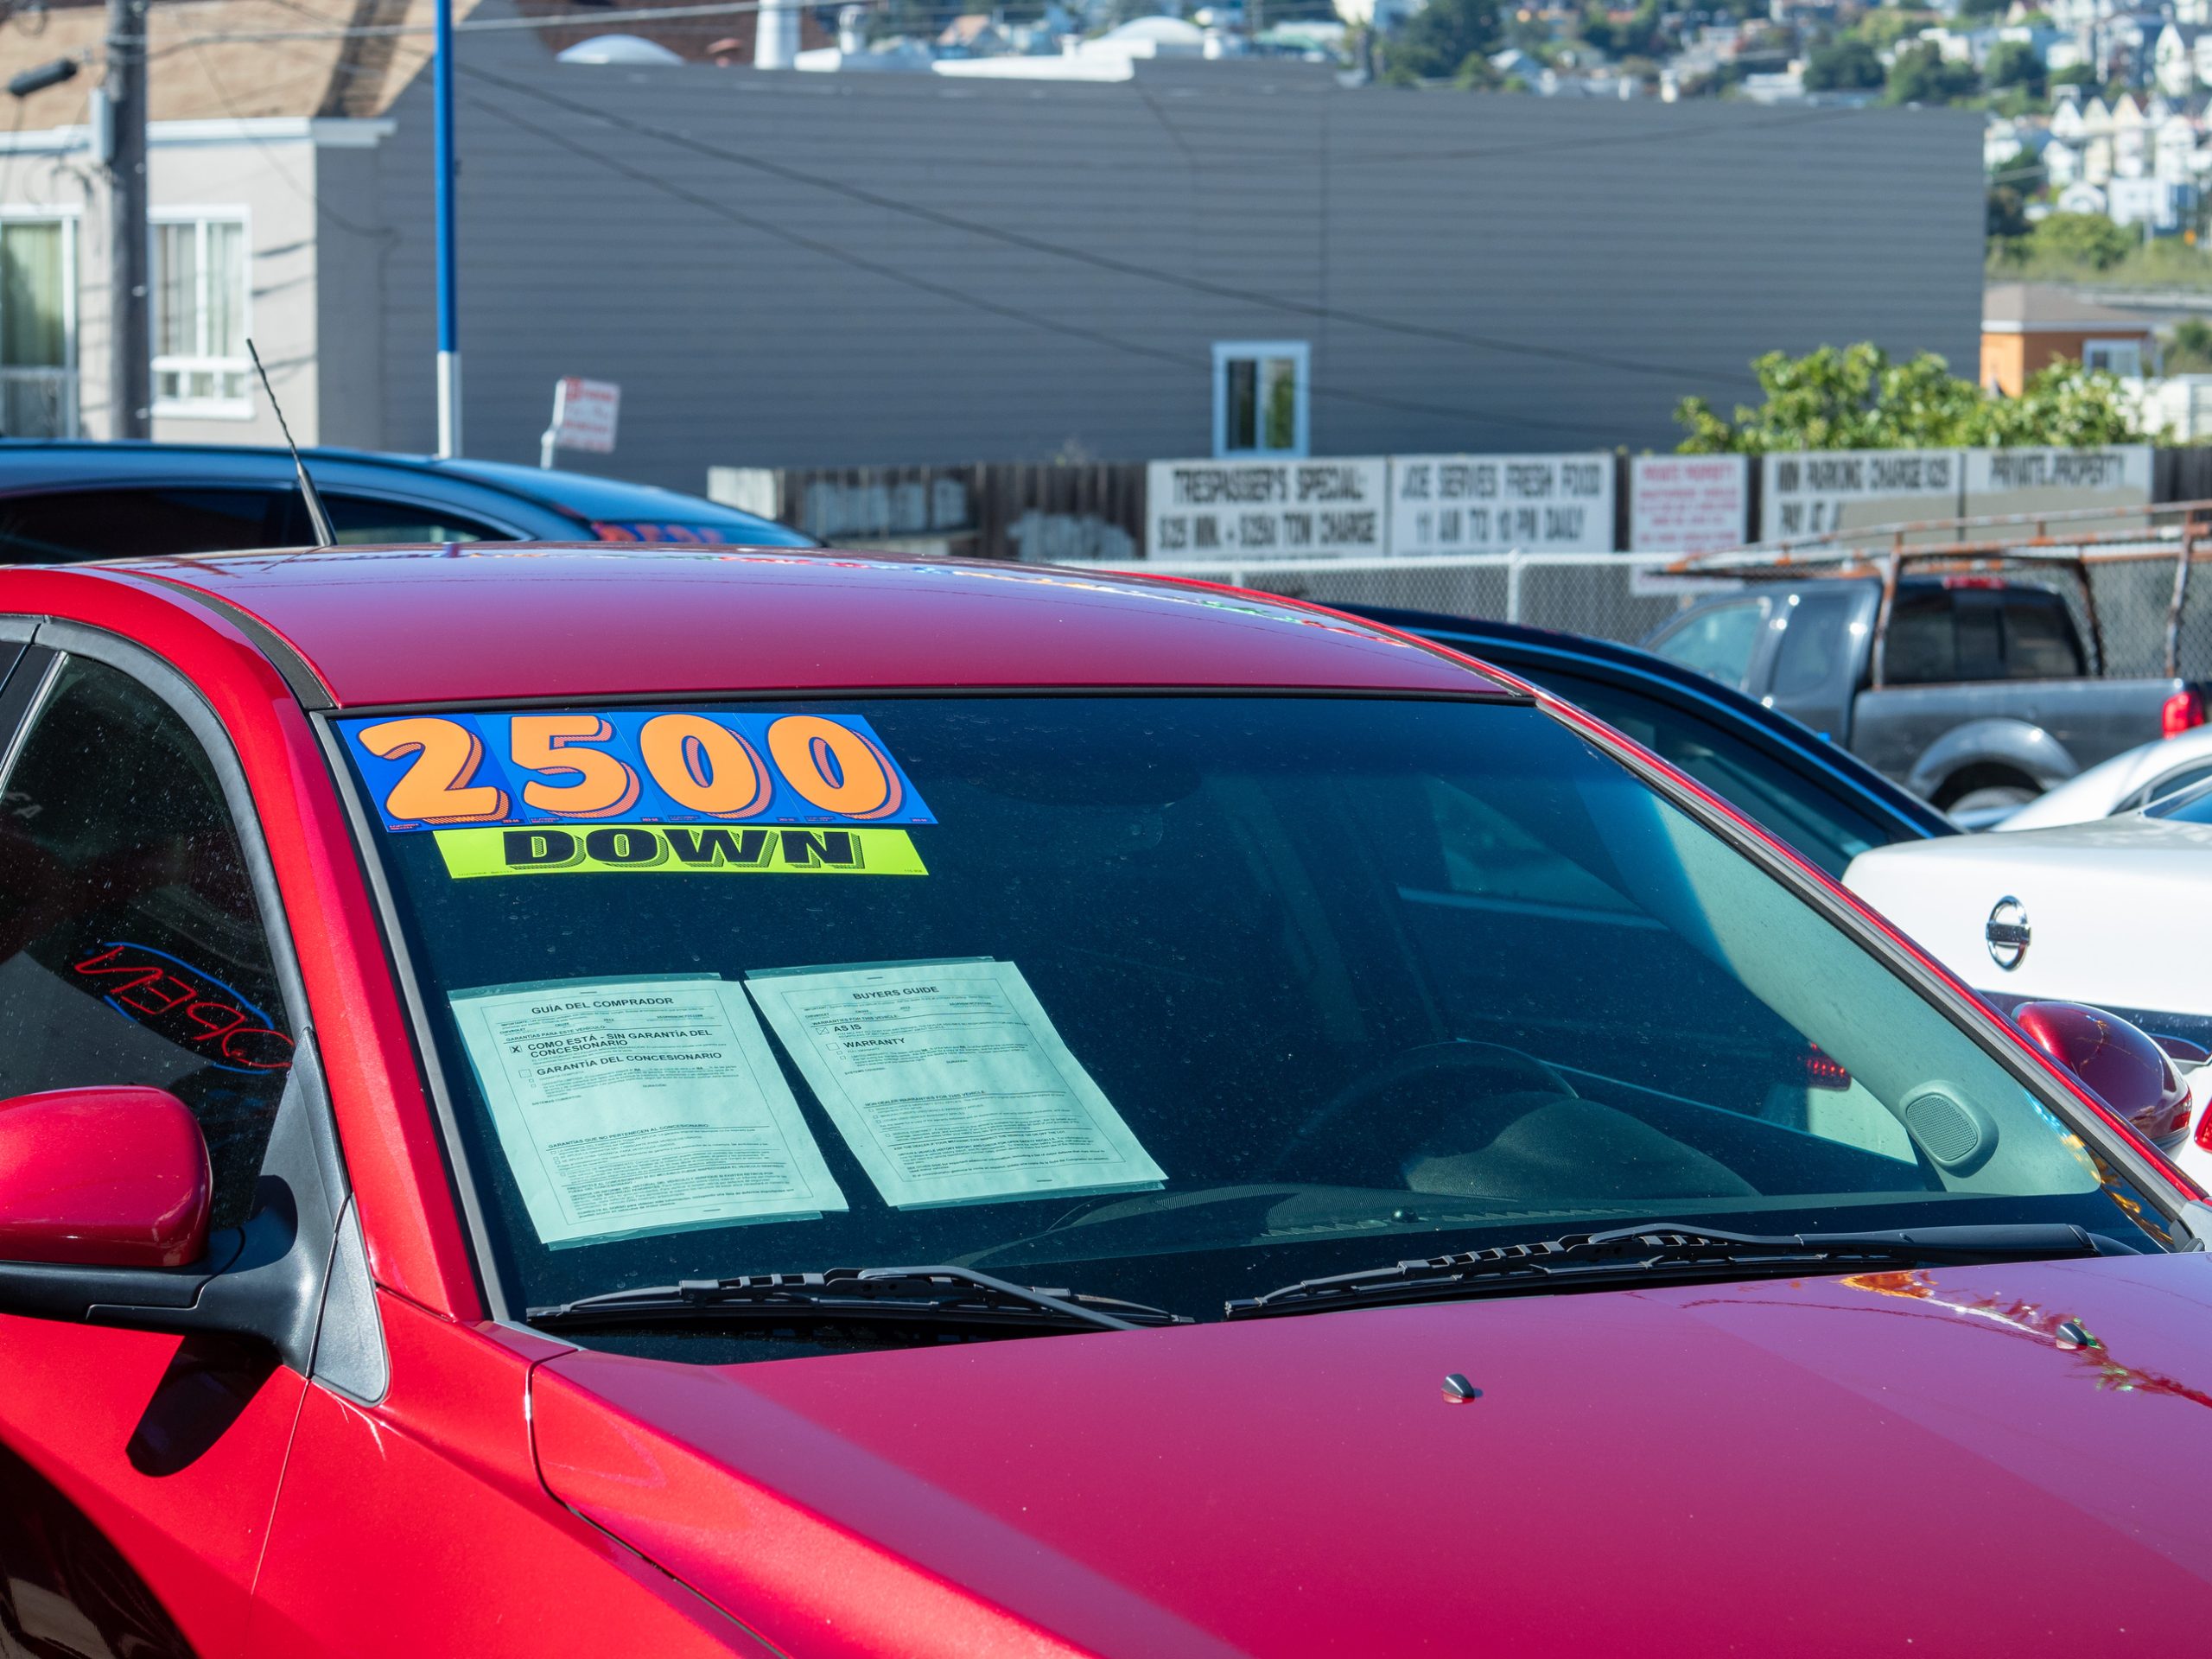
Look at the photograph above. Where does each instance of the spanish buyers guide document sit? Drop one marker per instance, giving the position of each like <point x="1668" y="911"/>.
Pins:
<point x="950" y="1085"/>
<point x="629" y="1107"/>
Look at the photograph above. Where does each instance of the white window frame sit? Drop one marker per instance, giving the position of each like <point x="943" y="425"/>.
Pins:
<point x="2091" y="349"/>
<point x="201" y="409"/>
<point x="1227" y="351"/>
<point x="69" y="217"/>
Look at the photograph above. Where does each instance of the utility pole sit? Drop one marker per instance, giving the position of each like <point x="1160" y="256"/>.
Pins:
<point x="131" y="357"/>
<point x="448" y="283"/>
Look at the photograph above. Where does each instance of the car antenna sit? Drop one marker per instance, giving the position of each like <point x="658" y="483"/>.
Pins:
<point x="320" y="516"/>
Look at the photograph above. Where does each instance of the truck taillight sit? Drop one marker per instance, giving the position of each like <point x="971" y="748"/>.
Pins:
<point x="2204" y="1129"/>
<point x="2179" y="712"/>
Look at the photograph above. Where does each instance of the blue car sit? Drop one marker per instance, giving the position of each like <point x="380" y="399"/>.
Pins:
<point x="1828" y="806"/>
<point x="64" y="501"/>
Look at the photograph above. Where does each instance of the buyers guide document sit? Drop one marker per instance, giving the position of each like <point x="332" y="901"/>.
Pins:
<point x="638" y="1106"/>
<point x="951" y="1083"/>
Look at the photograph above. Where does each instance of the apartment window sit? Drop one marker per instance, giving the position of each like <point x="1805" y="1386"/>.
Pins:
<point x="200" y="318"/>
<point x="2121" y="356"/>
<point x="1259" y="398"/>
<point x="38" y="328"/>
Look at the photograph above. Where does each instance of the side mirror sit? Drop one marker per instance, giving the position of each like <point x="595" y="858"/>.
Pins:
<point x="102" y="1177"/>
<point x="2116" y="1061"/>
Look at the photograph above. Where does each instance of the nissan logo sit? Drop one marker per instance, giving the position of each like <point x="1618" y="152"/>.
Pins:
<point x="2007" y="932"/>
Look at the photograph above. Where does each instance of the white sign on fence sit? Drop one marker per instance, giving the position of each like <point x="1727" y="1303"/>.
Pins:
<point x="1495" y="503"/>
<point x="2052" y="481"/>
<point x="584" y="413"/>
<point x="1689" y="504"/>
<point x="1264" y="509"/>
<point x="1819" y="493"/>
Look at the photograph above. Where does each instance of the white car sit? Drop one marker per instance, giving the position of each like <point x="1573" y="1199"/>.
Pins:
<point x="2135" y="778"/>
<point x="2108" y="913"/>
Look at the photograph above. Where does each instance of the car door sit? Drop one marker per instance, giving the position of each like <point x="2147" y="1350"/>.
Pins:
<point x="138" y="1471"/>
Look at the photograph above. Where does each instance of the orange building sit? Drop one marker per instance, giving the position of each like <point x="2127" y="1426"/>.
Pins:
<point x="2030" y="325"/>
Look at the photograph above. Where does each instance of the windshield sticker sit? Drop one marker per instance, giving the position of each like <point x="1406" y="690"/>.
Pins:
<point x="950" y="1085"/>
<point x="192" y="1009"/>
<point x="677" y="850"/>
<point x="659" y="766"/>
<point x="630" y="1108"/>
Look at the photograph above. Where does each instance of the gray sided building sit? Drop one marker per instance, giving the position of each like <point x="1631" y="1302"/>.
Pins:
<point x="784" y="270"/>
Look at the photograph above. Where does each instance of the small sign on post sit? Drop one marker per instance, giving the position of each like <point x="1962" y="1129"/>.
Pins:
<point x="584" y="413"/>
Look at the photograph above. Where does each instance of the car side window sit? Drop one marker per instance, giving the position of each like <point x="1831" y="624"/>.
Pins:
<point x="1812" y="652"/>
<point x="1718" y="642"/>
<point x="1923" y="645"/>
<point x="364" y="521"/>
<point x="124" y="523"/>
<point x="132" y="949"/>
<point x="2039" y="642"/>
<point x="2165" y="787"/>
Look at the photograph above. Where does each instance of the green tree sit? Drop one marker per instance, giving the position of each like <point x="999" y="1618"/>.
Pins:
<point x="2075" y="74"/>
<point x="1983" y="8"/>
<point x="1638" y="37"/>
<point x="1887" y="25"/>
<point x="1848" y="66"/>
<point x="1922" y="74"/>
<point x="2007" y="213"/>
<point x="2015" y="63"/>
<point x="1436" y="40"/>
<point x="2087" y="241"/>
<point x="1857" y="398"/>
<point x="2190" y="352"/>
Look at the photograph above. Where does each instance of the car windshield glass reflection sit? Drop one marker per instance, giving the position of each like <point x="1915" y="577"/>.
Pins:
<point x="1169" y="1000"/>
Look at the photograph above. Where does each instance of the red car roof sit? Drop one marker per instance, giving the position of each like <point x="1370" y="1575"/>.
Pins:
<point x="471" y="622"/>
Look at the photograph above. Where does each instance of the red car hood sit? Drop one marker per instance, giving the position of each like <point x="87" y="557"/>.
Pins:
<point x="1909" y="1463"/>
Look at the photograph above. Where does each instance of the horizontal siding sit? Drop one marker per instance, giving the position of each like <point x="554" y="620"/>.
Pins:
<point x="1655" y="248"/>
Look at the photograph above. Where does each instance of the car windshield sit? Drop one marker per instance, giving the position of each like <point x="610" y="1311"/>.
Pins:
<point x="1172" y="999"/>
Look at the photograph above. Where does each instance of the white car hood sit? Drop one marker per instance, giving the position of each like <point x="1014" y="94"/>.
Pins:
<point x="2117" y="909"/>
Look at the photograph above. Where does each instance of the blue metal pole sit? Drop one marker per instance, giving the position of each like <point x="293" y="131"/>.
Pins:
<point x="448" y="292"/>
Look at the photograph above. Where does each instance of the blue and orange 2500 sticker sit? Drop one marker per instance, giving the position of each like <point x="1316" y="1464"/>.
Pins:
<point x="639" y="765"/>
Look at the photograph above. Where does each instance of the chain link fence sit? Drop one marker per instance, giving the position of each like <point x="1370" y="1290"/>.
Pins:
<point x="2138" y="580"/>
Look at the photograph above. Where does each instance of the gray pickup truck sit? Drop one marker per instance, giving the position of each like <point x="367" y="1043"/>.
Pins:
<point x="1984" y="698"/>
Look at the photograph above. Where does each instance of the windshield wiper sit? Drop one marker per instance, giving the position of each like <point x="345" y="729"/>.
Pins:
<point x="931" y="1295"/>
<point x="1664" y="1251"/>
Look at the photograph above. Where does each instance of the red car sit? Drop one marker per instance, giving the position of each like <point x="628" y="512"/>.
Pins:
<point x="569" y="1101"/>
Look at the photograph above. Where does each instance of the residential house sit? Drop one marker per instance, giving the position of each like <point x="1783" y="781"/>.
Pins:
<point x="2176" y="150"/>
<point x="2160" y="206"/>
<point x="2126" y="44"/>
<point x="2061" y="163"/>
<point x="2067" y="120"/>
<point x="2174" y="59"/>
<point x="2026" y="327"/>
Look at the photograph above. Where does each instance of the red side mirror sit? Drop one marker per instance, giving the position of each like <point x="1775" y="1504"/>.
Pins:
<point x="2117" y="1062"/>
<point x="102" y="1177"/>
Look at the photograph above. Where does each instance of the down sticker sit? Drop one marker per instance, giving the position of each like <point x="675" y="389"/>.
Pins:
<point x="632" y="765"/>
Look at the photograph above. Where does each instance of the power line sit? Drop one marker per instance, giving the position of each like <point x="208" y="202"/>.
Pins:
<point x="966" y="297"/>
<point x="1676" y="372"/>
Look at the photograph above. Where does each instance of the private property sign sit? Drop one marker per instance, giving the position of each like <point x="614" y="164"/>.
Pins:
<point x="584" y="413"/>
<point x="1265" y="509"/>
<point x="1689" y="504"/>
<point x="1495" y="503"/>
<point x="2052" y="481"/>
